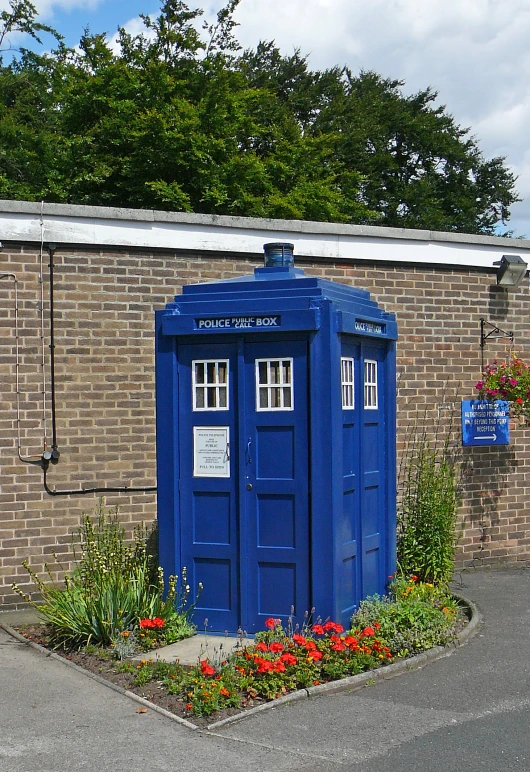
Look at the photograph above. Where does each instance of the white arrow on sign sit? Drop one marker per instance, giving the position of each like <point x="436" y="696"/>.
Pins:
<point x="490" y="437"/>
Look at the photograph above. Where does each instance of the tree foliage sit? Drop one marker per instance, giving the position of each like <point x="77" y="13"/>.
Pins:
<point x="181" y="119"/>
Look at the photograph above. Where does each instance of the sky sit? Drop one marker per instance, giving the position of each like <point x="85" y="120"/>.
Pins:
<point x="474" y="53"/>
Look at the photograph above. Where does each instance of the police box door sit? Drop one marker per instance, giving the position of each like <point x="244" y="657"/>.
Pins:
<point x="243" y="438"/>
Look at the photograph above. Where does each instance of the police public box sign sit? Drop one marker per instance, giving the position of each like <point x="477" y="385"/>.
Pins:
<point x="238" y="323"/>
<point x="485" y="423"/>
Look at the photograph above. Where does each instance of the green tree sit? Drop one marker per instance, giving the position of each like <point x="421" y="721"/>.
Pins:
<point x="186" y="121"/>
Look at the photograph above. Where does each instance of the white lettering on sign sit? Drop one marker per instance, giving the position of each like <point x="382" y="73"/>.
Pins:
<point x="376" y="329"/>
<point x="211" y="451"/>
<point x="238" y="322"/>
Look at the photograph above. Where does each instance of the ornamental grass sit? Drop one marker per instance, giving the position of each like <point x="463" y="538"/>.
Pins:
<point x="114" y="586"/>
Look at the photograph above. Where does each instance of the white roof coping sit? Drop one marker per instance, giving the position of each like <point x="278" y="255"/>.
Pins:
<point x="94" y="226"/>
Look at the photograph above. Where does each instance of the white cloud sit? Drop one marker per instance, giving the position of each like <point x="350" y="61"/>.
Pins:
<point x="474" y="53"/>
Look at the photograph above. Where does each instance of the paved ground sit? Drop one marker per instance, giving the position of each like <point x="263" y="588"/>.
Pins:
<point x="467" y="712"/>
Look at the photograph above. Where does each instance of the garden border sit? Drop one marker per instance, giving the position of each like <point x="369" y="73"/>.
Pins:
<point x="352" y="683"/>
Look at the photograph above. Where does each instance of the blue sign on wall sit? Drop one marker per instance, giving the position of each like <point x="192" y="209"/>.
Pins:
<point x="485" y="423"/>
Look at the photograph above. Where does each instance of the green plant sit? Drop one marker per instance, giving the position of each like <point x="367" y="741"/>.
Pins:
<point x="111" y="590"/>
<point x="428" y="505"/>
<point x="414" y="617"/>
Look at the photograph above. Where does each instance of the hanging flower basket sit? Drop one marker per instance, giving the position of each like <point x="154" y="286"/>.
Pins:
<point x="509" y="381"/>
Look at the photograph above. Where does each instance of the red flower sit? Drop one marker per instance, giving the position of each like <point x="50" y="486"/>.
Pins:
<point x="298" y="639"/>
<point x="338" y="646"/>
<point x="318" y="629"/>
<point x="288" y="659"/>
<point x="376" y="625"/>
<point x="264" y="666"/>
<point x="271" y="623"/>
<point x="519" y="401"/>
<point x="261" y="646"/>
<point x="368" y="631"/>
<point x="310" y="645"/>
<point x="206" y="668"/>
<point x="316" y="655"/>
<point x="279" y="667"/>
<point x="333" y="626"/>
<point x="151" y="624"/>
<point x="276" y="646"/>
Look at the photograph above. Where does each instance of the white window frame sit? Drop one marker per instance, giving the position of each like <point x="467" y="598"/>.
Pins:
<point x="281" y="385"/>
<point x="370" y="385"/>
<point x="347" y="382"/>
<point x="209" y="385"/>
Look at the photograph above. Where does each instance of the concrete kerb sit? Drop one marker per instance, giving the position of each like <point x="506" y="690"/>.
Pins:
<point x="353" y="683"/>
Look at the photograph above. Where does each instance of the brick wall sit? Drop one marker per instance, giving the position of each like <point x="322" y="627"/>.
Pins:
<point x="104" y="304"/>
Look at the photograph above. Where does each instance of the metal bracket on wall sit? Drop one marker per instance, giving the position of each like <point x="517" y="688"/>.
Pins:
<point x="495" y="333"/>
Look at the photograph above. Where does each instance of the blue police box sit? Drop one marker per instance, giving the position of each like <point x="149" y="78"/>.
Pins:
<point x="276" y="465"/>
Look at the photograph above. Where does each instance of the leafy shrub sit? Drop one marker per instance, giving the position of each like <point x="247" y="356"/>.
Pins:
<point x="415" y="616"/>
<point x="111" y="590"/>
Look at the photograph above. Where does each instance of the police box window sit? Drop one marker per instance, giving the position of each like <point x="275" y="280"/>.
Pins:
<point x="210" y="384"/>
<point x="370" y="384"/>
<point x="274" y="384"/>
<point x="346" y="379"/>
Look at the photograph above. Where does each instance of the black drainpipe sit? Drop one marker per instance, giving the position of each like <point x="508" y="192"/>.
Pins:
<point x="54" y="454"/>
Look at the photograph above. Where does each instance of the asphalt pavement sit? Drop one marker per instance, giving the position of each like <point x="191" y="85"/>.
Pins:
<point x="469" y="711"/>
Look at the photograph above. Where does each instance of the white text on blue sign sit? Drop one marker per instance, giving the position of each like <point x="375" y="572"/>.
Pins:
<point x="237" y="322"/>
<point x="376" y="329"/>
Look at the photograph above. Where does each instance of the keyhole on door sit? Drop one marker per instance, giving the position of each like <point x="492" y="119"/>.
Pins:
<point x="249" y="486"/>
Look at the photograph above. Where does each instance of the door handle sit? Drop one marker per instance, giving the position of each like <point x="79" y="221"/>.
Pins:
<point x="227" y="452"/>
<point x="249" y="443"/>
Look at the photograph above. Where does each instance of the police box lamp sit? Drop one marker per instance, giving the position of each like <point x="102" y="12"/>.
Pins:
<point x="511" y="271"/>
<point x="278" y="253"/>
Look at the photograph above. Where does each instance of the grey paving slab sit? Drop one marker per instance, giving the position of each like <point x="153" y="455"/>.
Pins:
<point x="55" y="719"/>
<point x="189" y="651"/>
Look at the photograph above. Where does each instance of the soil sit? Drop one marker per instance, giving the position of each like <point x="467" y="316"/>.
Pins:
<point x="105" y="666"/>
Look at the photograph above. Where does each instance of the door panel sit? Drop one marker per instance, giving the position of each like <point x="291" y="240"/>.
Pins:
<point x="348" y="567"/>
<point x="276" y="505"/>
<point x="208" y="504"/>
<point x="372" y="473"/>
<point x="244" y="536"/>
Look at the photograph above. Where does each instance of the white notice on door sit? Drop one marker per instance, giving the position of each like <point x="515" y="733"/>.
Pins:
<point x="211" y="451"/>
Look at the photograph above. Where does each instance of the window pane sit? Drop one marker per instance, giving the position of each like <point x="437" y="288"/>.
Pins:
<point x="263" y="398"/>
<point x="370" y="384"/>
<point x="207" y="394"/>
<point x="262" y="372"/>
<point x="274" y="384"/>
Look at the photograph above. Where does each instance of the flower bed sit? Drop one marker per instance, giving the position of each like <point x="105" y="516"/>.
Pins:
<point x="413" y="618"/>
